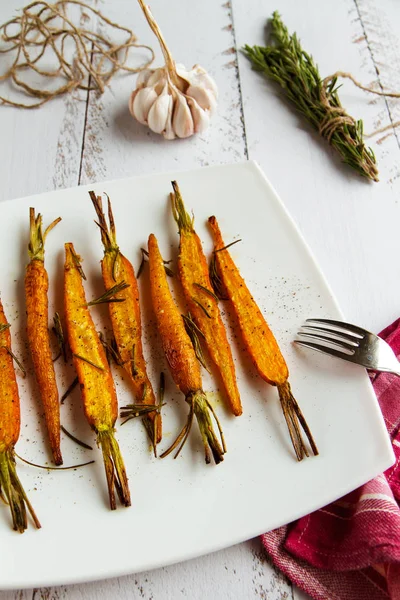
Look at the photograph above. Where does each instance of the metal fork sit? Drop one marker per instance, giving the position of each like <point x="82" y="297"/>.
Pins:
<point x="349" y="342"/>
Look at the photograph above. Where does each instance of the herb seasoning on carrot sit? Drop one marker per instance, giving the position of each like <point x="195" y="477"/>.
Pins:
<point x="95" y="379"/>
<point x="182" y="361"/>
<point x="10" y="486"/>
<point x="126" y="319"/>
<point x="201" y="300"/>
<point x="260" y="341"/>
<point x="36" y="288"/>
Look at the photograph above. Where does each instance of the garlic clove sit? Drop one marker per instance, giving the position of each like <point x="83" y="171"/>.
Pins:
<point x="143" y="78"/>
<point x="141" y="102"/>
<point x="201" y="118"/>
<point x="182" y="120"/>
<point x="199" y="76"/>
<point x="158" y="113"/>
<point x="168" y="132"/>
<point x="204" y="98"/>
<point x="157" y="79"/>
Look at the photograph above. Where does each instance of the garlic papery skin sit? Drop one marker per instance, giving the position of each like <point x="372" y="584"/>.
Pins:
<point x="173" y="101"/>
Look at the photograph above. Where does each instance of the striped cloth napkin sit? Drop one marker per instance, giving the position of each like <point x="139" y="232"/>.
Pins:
<point x="350" y="550"/>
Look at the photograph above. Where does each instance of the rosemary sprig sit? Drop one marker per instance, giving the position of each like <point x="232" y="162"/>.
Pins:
<point x="203" y="308"/>
<point x="4" y="327"/>
<point x="75" y="439"/>
<point x="134" y="370"/>
<point x="69" y="390"/>
<point x="77" y="262"/>
<point x="89" y="362"/>
<point x="28" y="462"/>
<point x="17" y="361"/>
<point x="59" y="334"/>
<point x="111" y="350"/>
<point x="131" y="411"/>
<point x="206" y="290"/>
<point x="194" y="333"/>
<point x="228" y="245"/>
<point x="317" y="99"/>
<point x="145" y="256"/>
<point x="108" y="295"/>
<point x="216" y="280"/>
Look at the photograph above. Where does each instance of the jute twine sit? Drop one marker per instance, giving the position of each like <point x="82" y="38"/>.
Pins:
<point x="43" y="31"/>
<point x="336" y="116"/>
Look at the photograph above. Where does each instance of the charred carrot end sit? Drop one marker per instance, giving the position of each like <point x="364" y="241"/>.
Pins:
<point x="12" y="491"/>
<point x="260" y="342"/>
<point x="115" y="468"/>
<point x="36" y="288"/>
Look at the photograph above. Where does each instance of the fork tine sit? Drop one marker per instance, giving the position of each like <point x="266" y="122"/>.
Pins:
<point x="340" y="335"/>
<point x="324" y="338"/>
<point x="341" y="325"/>
<point x="326" y="350"/>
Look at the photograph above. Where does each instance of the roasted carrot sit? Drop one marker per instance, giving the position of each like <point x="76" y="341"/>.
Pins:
<point x="182" y="361"/>
<point x="97" y="387"/>
<point x="37" y="312"/>
<point x="10" y="486"/>
<point x="201" y="300"/>
<point x="260" y="342"/>
<point x="126" y="319"/>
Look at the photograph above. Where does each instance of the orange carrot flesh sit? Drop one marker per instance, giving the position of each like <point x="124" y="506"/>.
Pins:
<point x="10" y="486"/>
<point x="181" y="358"/>
<point x="202" y="303"/>
<point x="97" y="386"/>
<point x="126" y="318"/>
<point x="36" y="290"/>
<point x="260" y="341"/>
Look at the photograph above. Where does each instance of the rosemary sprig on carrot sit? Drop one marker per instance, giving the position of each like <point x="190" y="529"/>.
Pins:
<point x="182" y="361"/>
<point x="260" y="342"/>
<point x="119" y="276"/>
<point x="95" y="379"/>
<point x="202" y="301"/>
<point x="36" y="289"/>
<point x="10" y="486"/>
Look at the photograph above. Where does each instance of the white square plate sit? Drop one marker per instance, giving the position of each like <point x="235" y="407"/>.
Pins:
<point x="183" y="508"/>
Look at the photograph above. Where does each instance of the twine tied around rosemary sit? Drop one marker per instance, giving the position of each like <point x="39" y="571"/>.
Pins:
<point x="44" y="30"/>
<point x="336" y="116"/>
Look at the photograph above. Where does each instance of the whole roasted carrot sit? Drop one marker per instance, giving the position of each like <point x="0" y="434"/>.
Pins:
<point x="10" y="486"/>
<point x="124" y="309"/>
<point x="260" y="342"/>
<point x="97" y="387"/>
<point x="201" y="300"/>
<point x="36" y="288"/>
<point x="182" y="361"/>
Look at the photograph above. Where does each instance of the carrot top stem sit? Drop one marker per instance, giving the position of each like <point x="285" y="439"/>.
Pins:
<point x="11" y="489"/>
<point x="183" y="219"/>
<point x="115" y="469"/>
<point x="294" y="418"/>
<point x="108" y="232"/>
<point x="201" y="408"/>
<point x="37" y="237"/>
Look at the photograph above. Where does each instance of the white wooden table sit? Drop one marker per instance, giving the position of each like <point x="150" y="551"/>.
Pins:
<point x="351" y="226"/>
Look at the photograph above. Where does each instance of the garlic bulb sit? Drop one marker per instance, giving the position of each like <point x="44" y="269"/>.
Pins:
<point x="172" y="100"/>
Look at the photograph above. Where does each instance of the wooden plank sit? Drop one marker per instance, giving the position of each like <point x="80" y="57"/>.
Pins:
<point x="240" y="572"/>
<point x="40" y="149"/>
<point x="117" y="146"/>
<point x="339" y="214"/>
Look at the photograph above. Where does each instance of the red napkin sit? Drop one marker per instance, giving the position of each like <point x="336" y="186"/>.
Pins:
<point x="350" y="550"/>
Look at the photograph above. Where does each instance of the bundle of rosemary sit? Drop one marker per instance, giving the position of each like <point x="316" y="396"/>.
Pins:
<point x="317" y="99"/>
